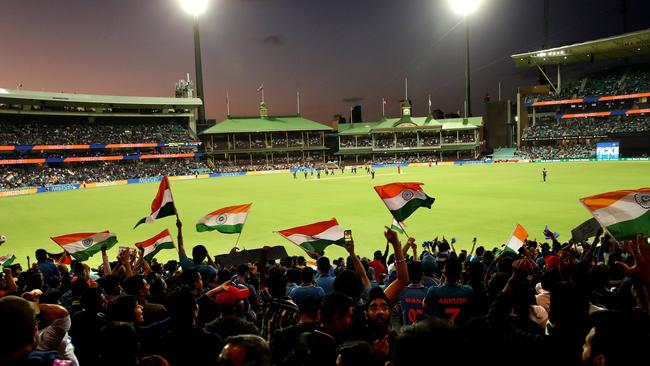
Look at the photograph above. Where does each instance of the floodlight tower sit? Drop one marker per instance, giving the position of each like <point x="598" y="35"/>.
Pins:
<point x="465" y="8"/>
<point x="196" y="8"/>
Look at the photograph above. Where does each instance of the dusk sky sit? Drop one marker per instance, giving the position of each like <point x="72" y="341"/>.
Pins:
<point x="328" y="50"/>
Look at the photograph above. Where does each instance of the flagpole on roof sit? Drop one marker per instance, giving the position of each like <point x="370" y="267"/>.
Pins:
<point x="383" y="107"/>
<point x="406" y="88"/>
<point x="227" y="105"/>
<point x="429" y="103"/>
<point x="298" y="101"/>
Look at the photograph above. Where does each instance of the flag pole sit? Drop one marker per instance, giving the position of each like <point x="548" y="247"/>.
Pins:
<point x="242" y="228"/>
<point x="171" y="194"/>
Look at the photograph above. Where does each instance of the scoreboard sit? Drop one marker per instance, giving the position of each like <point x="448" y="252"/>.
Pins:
<point x="607" y="151"/>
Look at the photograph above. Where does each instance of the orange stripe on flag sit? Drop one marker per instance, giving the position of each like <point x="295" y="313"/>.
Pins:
<point x="231" y="209"/>
<point x="603" y="200"/>
<point x="520" y="233"/>
<point x="71" y="238"/>
<point x="394" y="189"/>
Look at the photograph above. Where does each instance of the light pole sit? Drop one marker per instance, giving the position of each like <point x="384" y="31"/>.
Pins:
<point x="465" y="8"/>
<point x="196" y="8"/>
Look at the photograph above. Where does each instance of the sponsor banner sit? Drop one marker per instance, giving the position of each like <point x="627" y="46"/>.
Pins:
<point x="58" y="147"/>
<point x="203" y="176"/>
<point x="144" y="180"/>
<point x="183" y="177"/>
<point x="18" y="192"/>
<point x="7" y="148"/>
<point x="234" y="174"/>
<point x="263" y="172"/>
<point x="164" y="156"/>
<point x="376" y="166"/>
<point x="22" y="161"/>
<point x="95" y="146"/>
<point x="113" y="146"/>
<point x="470" y="162"/>
<point x="91" y="158"/>
<point x="512" y="161"/>
<point x="106" y="184"/>
<point x="59" y="188"/>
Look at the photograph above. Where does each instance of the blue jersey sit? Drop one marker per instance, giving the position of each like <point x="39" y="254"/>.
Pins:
<point x="410" y="301"/>
<point x="299" y="293"/>
<point x="430" y="281"/>
<point x="447" y="301"/>
<point x="326" y="282"/>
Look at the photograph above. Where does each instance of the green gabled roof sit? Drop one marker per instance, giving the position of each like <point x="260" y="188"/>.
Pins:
<point x="458" y="123"/>
<point x="391" y="123"/>
<point x="266" y="124"/>
<point x="360" y="128"/>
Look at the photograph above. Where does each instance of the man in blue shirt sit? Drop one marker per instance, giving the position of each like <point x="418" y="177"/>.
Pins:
<point x="47" y="268"/>
<point x="199" y="254"/>
<point x="410" y="299"/>
<point x="451" y="299"/>
<point x="429" y="266"/>
<point x="308" y="288"/>
<point x="325" y="279"/>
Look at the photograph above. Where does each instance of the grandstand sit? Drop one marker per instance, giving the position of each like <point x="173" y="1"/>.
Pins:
<point x="264" y="142"/>
<point x="567" y="120"/>
<point x="49" y="139"/>
<point x="410" y="139"/>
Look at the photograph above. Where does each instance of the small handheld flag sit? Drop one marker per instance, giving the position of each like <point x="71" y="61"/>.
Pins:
<point x="517" y="238"/>
<point x="84" y="245"/>
<point x="154" y="245"/>
<point x="315" y="237"/>
<point x="162" y="205"/>
<point x="402" y="199"/>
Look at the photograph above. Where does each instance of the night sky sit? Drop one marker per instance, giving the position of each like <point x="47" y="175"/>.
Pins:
<point x="330" y="50"/>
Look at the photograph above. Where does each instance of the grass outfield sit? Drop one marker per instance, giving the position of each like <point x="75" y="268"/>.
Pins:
<point x="485" y="201"/>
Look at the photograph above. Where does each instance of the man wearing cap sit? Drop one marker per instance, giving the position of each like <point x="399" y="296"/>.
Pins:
<point x="429" y="266"/>
<point x="231" y="322"/>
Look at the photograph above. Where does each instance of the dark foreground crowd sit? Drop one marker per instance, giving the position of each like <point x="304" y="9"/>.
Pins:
<point x="550" y="304"/>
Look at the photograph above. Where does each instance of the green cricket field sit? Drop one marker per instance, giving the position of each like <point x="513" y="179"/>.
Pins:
<point x="483" y="201"/>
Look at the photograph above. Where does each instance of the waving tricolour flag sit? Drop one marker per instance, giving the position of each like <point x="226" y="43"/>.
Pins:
<point x="84" y="245"/>
<point x="154" y="245"/>
<point x="227" y="220"/>
<point x="162" y="205"/>
<point x="623" y="213"/>
<point x="402" y="199"/>
<point x="7" y="260"/>
<point x="315" y="237"/>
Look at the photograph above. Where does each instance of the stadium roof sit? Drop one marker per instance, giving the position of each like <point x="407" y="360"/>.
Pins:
<point x="20" y="96"/>
<point x="265" y="124"/>
<point x="390" y="124"/>
<point x="616" y="47"/>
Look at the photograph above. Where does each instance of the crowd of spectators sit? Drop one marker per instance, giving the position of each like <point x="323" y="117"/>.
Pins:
<point x="618" y="81"/>
<point x="100" y="132"/>
<point x="586" y="127"/>
<point x="548" y="303"/>
<point x="21" y="176"/>
<point x="564" y="151"/>
<point x="53" y="154"/>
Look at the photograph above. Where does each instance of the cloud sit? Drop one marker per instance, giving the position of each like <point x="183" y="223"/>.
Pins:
<point x="273" y="40"/>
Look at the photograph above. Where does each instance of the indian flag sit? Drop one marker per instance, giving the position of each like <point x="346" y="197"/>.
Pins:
<point x="517" y="238"/>
<point x="623" y="213"/>
<point x="84" y="245"/>
<point x="398" y="226"/>
<point x="402" y="199"/>
<point x="227" y="220"/>
<point x="156" y="244"/>
<point x="315" y="237"/>
<point x="162" y="205"/>
<point x="7" y="260"/>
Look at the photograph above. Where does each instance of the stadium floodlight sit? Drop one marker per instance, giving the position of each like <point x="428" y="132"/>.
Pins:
<point x="464" y="7"/>
<point x="194" y="7"/>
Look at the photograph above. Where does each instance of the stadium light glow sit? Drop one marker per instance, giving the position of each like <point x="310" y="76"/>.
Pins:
<point x="194" y="7"/>
<point x="464" y="7"/>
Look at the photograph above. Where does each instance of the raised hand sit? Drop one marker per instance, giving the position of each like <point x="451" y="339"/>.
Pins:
<point x="391" y="236"/>
<point x="640" y="251"/>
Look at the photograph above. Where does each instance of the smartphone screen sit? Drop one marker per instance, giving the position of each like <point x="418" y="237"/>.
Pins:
<point x="347" y="236"/>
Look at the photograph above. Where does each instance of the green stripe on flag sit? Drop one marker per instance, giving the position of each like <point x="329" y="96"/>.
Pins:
<point x="405" y="211"/>
<point x="85" y="254"/>
<point x="628" y="230"/>
<point x="167" y="245"/>
<point x="319" y="246"/>
<point x="226" y="229"/>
